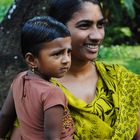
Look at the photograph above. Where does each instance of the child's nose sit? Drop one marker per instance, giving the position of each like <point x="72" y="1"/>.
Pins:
<point x="66" y="59"/>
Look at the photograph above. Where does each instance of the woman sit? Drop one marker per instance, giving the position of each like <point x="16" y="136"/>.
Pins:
<point x="103" y="99"/>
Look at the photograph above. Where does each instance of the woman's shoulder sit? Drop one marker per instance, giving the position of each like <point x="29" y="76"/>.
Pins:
<point x="116" y="72"/>
<point x="107" y="66"/>
<point x="116" y="68"/>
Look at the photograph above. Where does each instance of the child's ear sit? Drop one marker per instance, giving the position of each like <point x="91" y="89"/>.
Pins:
<point x="31" y="60"/>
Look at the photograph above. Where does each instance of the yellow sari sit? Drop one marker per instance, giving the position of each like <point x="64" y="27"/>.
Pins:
<point x="113" y="114"/>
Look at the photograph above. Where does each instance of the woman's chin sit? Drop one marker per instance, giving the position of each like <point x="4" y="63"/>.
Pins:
<point x="92" y="57"/>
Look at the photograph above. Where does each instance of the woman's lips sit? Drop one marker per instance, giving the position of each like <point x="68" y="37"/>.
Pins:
<point x="92" y="48"/>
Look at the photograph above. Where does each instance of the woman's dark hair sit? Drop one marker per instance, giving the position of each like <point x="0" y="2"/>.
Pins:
<point x="39" y="30"/>
<point x="62" y="10"/>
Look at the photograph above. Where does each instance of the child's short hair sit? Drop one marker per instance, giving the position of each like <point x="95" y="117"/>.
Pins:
<point x="39" y="30"/>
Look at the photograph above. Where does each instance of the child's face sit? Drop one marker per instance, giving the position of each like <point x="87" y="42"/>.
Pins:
<point x="54" y="58"/>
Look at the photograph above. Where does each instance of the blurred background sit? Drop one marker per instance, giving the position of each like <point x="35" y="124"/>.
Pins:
<point x="121" y="44"/>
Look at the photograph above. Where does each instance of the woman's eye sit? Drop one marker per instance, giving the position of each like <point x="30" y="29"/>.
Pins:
<point x="101" y="24"/>
<point x="83" y="26"/>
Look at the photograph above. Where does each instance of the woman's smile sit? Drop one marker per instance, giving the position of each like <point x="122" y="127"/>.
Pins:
<point x="91" y="48"/>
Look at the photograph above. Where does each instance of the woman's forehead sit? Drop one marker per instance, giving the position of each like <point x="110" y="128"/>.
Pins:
<point x="88" y="11"/>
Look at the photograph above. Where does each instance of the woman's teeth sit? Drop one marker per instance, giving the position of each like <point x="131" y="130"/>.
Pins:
<point x="91" y="46"/>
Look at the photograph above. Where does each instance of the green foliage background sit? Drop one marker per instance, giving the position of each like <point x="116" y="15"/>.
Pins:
<point x="128" y="56"/>
<point x="4" y="6"/>
<point x="121" y="44"/>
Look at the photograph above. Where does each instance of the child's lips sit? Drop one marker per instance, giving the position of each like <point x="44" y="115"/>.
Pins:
<point x="64" y="69"/>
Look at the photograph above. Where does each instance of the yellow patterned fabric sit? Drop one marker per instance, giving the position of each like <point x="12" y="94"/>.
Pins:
<point x="113" y="114"/>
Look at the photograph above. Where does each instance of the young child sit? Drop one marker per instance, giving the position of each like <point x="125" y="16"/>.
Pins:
<point x="41" y="107"/>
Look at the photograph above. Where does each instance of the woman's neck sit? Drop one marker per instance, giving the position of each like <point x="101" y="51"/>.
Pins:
<point x="79" y="68"/>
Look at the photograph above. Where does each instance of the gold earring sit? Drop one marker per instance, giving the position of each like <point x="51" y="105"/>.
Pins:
<point x="33" y="69"/>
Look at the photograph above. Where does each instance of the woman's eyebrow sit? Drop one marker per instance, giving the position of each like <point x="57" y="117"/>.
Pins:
<point x="84" y="21"/>
<point x="90" y="21"/>
<point x="102" y="20"/>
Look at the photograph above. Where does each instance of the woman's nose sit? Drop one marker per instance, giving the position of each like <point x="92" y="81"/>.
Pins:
<point x="96" y="34"/>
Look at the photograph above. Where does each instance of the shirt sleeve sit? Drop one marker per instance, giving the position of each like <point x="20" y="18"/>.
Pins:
<point x="55" y="97"/>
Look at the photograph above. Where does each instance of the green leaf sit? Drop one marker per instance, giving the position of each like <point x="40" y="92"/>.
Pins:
<point x="126" y="31"/>
<point x="4" y="6"/>
<point x="130" y="8"/>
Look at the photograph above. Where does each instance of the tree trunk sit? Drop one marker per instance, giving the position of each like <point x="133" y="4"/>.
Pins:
<point x="11" y="61"/>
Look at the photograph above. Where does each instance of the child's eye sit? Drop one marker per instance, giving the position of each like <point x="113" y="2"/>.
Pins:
<point x="57" y="54"/>
<point x="69" y="51"/>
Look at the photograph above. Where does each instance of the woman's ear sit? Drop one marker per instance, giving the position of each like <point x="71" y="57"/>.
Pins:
<point x="31" y="60"/>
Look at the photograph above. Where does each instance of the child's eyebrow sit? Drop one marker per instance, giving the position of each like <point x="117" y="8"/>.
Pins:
<point x="61" y="49"/>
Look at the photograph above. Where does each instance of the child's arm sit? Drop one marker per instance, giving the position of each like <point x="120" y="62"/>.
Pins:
<point x="7" y="115"/>
<point x="53" y="120"/>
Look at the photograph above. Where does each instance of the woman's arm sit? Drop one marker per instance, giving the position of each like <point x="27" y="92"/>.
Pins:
<point x="137" y="135"/>
<point x="138" y="131"/>
<point x="7" y="115"/>
<point x="53" y="120"/>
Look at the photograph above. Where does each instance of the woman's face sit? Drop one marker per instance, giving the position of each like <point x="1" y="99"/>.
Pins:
<point x="87" y="31"/>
